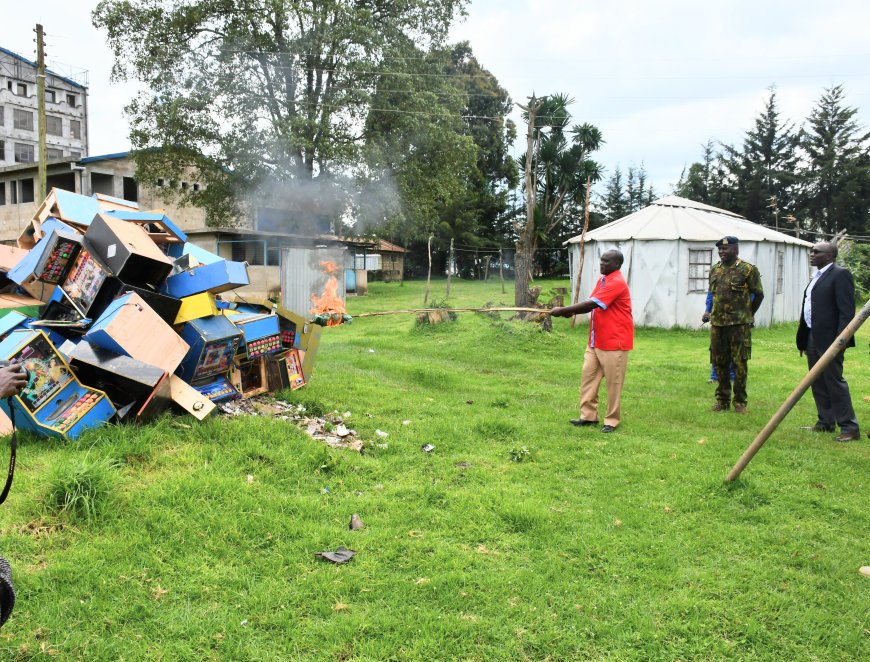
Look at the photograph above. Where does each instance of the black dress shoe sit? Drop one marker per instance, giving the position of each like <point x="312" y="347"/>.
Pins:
<point x="607" y="428"/>
<point x="820" y="427"/>
<point x="582" y="422"/>
<point x="848" y="436"/>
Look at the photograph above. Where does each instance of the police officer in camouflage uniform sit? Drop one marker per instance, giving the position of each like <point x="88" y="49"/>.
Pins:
<point x="732" y="282"/>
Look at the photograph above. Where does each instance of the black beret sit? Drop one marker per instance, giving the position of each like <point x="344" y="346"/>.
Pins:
<point x="727" y="241"/>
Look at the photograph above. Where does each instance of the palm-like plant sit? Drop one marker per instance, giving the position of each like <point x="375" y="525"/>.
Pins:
<point x="557" y="173"/>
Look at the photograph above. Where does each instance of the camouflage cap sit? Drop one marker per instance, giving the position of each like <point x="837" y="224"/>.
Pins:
<point x="727" y="241"/>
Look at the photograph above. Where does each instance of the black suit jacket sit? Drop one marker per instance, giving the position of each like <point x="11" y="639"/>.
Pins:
<point x="833" y="299"/>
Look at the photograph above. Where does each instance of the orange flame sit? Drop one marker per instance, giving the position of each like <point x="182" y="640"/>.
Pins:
<point x="329" y="302"/>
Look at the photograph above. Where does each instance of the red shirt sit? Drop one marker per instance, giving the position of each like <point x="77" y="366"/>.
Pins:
<point x="611" y="325"/>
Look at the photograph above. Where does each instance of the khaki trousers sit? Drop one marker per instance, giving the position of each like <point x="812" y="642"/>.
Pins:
<point x="609" y="365"/>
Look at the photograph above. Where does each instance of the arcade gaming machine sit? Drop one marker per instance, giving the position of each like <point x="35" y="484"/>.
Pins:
<point x="54" y="403"/>
<point x="213" y="342"/>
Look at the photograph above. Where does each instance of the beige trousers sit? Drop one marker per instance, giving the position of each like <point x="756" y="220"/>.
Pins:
<point x="609" y="365"/>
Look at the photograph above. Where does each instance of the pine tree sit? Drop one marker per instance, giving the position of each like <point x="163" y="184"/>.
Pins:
<point x="763" y="172"/>
<point x="835" y="180"/>
<point x="614" y="202"/>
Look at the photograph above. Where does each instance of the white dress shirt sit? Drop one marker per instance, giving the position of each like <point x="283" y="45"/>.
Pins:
<point x="808" y="301"/>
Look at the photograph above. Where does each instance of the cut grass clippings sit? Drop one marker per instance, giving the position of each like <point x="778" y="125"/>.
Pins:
<point x="518" y="537"/>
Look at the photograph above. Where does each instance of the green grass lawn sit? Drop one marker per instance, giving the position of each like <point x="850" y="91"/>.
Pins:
<point x="626" y="546"/>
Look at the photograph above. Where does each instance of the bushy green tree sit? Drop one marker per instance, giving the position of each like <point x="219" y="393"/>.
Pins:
<point x="257" y="91"/>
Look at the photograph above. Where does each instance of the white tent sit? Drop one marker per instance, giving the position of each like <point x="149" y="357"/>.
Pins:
<point x="669" y="248"/>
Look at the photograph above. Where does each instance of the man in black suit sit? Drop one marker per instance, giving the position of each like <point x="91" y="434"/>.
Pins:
<point x="829" y="306"/>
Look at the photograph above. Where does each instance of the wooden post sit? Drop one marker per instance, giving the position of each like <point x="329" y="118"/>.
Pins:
<point x="429" y="273"/>
<point x="501" y="270"/>
<point x="839" y="345"/>
<point x="486" y="268"/>
<point x="41" y="171"/>
<point x="582" y="248"/>
<point x="449" y="268"/>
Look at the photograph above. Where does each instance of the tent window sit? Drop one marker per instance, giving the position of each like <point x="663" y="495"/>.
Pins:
<point x="699" y="269"/>
<point x="780" y="270"/>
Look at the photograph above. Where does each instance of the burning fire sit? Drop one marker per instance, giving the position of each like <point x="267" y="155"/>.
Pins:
<point x="329" y="303"/>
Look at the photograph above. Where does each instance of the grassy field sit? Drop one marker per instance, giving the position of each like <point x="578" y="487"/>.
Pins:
<point x="517" y="537"/>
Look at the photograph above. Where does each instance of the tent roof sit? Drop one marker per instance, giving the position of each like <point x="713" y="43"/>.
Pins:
<point x="673" y="217"/>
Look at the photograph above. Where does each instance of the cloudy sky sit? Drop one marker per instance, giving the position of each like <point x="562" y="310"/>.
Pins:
<point x="659" y="78"/>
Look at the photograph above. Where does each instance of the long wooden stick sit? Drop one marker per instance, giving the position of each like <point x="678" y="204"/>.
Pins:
<point x="453" y="310"/>
<point x="836" y="347"/>
<point x="582" y="248"/>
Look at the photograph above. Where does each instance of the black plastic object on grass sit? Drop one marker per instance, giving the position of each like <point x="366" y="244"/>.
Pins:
<point x="341" y="555"/>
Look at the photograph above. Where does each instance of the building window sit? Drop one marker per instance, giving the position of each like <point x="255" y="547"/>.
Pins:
<point x="50" y="96"/>
<point x="23" y="153"/>
<point x="2" y="113"/>
<point x="183" y="186"/>
<point x="2" y="150"/>
<point x="74" y="154"/>
<point x="195" y="186"/>
<point x="52" y="154"/>
<point x="13" y="192"/>
<point x="27" y="192"/>
<point x="160" y="182"/>
<point x="2" y="193"/>
<point x="53" y="125"/>
<point x="780" y="270"/>
<point x="22" y="119"/>
<point x="71" y="100"/>
<point x="75" y="129"/>
<point x="21" y="89"/>
<point x="699" y="269"/>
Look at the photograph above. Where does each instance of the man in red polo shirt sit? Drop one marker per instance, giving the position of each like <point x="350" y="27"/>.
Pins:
<point x="611" y="336"/>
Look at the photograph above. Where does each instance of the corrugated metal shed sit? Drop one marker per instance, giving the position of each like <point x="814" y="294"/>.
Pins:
<point x="303" y="275"/>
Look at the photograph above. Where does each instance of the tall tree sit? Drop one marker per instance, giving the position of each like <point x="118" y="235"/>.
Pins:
<point x="699" y="182"/>
<point x="614" y="202"/>
<point x="257" y="91"/>
<point x="763" y="171"/>
<point x="485" y="114"/>
<point x="556" y="172"/>
<point x="835" y="191"/>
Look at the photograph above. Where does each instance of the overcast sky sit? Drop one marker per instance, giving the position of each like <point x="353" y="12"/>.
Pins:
<point x="659" y="78"/>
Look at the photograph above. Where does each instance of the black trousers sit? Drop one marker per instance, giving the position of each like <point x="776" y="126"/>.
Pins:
<point x="831" y="392"/>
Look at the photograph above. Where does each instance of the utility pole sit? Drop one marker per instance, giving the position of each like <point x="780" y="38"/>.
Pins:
<point x="40" y="113"/>
<point x="774" y="205"/>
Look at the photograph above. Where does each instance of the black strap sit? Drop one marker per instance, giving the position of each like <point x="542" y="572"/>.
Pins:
<point x="13" y="444"/>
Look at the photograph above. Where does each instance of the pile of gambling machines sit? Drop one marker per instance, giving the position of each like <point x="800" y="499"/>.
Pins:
<point x="135" y="320"/>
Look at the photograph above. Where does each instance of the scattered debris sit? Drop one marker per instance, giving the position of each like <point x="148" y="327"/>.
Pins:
<point x="356" y="523"/>
<point x="341" y="555"/>
<point x="865" y="570"/>
<point x="427" y="448"/>
<point x="520" y="454"/>
<point x="381" y="433"/>
<point x="329" y="429"/>
<point x="406" y="422"/>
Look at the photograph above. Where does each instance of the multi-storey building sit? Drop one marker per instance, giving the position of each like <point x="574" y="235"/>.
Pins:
<point x="66" y="113"/>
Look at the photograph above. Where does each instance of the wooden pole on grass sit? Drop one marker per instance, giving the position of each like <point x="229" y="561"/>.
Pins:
<point x="500" y="270"/>
<point x="449" y="268"/>
<point x="428" y="273"/>
<point x="582" y="248"/>
<point x="839" y="345"/>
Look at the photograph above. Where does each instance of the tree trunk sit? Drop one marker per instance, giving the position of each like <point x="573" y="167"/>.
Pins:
<point x="523" y="265"/>
<point x="525" y="257"/>
<point x="429" y="273"/>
